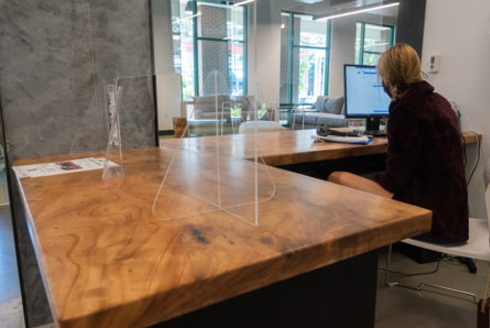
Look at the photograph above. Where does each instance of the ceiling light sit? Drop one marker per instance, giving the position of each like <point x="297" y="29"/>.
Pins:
<point x="242" y="3"/>
<point x="186" y="18"/>
<point x="358" y="11"/>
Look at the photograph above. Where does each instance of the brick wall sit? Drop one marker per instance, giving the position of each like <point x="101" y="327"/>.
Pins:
<point x="213" y="55"/>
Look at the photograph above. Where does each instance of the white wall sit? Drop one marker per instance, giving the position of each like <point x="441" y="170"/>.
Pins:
<point x="459" y="32"/>
<point x="264" y="51"/>
<point x="167" y="83"/>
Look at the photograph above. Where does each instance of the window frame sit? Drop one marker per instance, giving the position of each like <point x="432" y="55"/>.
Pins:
<point x="290" y="65"/>
<point x="361" y="51"/>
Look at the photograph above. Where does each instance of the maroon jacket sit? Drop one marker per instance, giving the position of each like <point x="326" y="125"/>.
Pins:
<point x="425" y="166"/>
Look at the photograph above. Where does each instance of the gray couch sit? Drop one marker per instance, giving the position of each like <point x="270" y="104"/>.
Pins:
<point x="326" y="110"/>
<point x="204" y="108"/>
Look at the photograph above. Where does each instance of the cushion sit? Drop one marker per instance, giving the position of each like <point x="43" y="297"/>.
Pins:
<point x="332" y="120"/>
<point x="262" y="126"/>
<point x="207" y="105"/>
<point x="310" y="118"/>
<point x="320" y="103"/>
<point x="334" y="105"/>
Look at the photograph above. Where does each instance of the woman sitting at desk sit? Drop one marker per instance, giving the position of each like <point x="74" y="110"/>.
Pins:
<point x="424" y="164"/>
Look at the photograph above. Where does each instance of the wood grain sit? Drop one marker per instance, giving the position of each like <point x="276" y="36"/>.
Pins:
<point x="107" y="261"/>
<point x="285" y="147"/>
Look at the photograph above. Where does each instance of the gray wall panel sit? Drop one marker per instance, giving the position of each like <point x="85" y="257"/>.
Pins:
<point x="56" y="58"/>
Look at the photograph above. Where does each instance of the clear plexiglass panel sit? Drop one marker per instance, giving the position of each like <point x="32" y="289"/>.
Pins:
<point x="216" y="165"/>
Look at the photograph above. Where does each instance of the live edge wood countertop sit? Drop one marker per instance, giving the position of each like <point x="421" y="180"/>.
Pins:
<point x="288" y="147"/>
<point x="107" y="261"/>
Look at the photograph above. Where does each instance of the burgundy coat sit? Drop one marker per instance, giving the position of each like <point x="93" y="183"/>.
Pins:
<point x="424" y="166"/>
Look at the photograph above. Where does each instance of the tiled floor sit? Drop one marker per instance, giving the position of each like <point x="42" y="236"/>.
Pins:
<point x="405" y="308"/>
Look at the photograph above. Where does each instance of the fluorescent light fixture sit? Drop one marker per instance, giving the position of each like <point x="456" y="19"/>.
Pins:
<point x="186" y="18"/>
<point x="242" y="3"/>
<point x="355" y="12"/>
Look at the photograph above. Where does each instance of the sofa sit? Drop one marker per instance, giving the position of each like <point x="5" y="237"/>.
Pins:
<point x="204" y="108"/>
<point x="235" y="114"/>
<point x="325" y="110"/>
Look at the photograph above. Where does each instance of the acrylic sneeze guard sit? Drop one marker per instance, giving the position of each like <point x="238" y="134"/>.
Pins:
<point x="211" y="167"/>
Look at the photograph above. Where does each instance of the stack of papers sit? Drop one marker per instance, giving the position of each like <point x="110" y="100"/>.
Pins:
<point x="362" y="140"/>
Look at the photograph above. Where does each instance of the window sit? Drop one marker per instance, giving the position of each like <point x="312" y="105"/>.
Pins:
<point x="371" y="41"/>
<point x="210" y="37"/>
<point x="305" y="53"/>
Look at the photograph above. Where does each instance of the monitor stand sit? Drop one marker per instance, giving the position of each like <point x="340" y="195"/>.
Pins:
<point x="372" y="127"/>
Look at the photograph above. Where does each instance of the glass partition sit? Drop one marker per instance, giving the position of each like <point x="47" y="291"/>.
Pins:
<point x="316" y="41"/>
<point x="215" y="164"/>
<point x="221" y="170"/>
<point x="228" y="71"/>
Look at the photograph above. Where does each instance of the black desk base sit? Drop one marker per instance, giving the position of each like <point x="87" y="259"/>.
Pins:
<point x="342" y="295"/>
<point x="360" y="165"/>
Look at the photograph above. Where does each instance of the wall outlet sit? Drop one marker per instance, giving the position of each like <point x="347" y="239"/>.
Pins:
<point x="434" y="62"/>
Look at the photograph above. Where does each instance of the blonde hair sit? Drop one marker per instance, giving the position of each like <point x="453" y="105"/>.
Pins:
<point x="399" y="66"/>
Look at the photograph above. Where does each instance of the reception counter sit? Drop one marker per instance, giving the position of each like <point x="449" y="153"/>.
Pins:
<point x="108" y="261"/>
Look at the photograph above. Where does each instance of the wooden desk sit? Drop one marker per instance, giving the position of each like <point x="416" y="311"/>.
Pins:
<point x="103" y="255"/>
<point x="286" y="147"/>
<point x="107" y="261"/>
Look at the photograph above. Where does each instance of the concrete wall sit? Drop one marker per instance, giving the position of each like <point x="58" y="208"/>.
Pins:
<point x="56" y="58"/>
<point x="459" y="32"/>
<point x="55" y="61"/>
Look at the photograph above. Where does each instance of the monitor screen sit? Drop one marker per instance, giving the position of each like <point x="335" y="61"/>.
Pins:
<point x="364" y="94"/>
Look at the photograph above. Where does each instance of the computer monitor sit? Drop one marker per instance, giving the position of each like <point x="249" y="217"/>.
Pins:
<point x="364" y="96"/>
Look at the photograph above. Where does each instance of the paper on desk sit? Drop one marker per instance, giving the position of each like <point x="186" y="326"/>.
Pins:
<point x="62" y="167"/>
<point x="363" y="140"/>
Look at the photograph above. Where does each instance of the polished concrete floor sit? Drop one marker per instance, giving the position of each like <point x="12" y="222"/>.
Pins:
<point x="395" y="308"/>
<point x="429" y="308"/>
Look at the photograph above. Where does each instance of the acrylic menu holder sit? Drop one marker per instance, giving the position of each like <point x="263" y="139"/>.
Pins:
<point x="113" y="165"/>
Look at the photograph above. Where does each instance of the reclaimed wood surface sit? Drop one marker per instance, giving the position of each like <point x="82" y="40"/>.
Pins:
<point x="108" y="261"/>
<point x="285" y="147"/>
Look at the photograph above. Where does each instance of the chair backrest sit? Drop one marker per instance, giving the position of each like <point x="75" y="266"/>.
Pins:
<point x="334" y="105"/>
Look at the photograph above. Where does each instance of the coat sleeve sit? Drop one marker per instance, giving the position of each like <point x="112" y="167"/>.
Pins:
<point x="405" y="140"/>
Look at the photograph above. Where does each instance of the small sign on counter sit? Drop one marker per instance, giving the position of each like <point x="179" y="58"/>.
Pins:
<point x="62" y="167"/>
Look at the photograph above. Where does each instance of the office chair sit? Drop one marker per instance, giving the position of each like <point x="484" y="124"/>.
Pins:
<point x="477" y="248"/>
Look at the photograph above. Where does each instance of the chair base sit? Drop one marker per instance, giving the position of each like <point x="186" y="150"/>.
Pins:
<point x="420" y="286"/>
